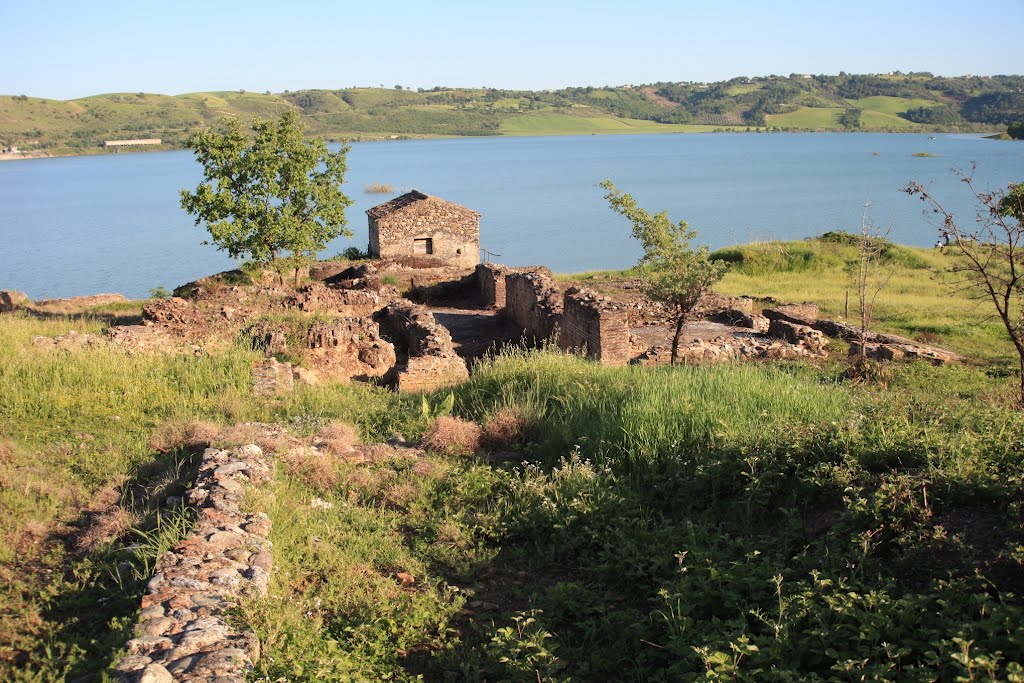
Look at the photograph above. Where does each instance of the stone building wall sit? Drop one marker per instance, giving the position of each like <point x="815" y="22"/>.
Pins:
<point x="533" y="302"/>
<point x="453" y="230"/>
<point x="595" y="325"/>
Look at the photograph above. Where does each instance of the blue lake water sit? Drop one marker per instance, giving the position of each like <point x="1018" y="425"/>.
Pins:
<point x="82" y="225"/>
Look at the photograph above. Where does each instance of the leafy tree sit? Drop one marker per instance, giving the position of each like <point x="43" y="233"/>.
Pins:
<point x="850" y="118"/>
<point x="272" y="194"/>
<point x="988" y="256"/>
<point x="671" y="270"/>
<point x="1016" y="130"/>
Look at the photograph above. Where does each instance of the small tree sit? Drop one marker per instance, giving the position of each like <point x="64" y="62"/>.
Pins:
<point x="671" y="271"/>
<point x="988" y="258"/>
<point x="273" y="194"/>
<point x="869" y="276"/>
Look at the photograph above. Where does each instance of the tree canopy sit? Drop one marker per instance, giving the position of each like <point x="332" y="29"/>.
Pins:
<point x="671" y="270"/>
<point x="271" y="194"/>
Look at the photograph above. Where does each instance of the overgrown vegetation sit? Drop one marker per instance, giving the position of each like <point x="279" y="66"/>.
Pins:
<point x="743" y="522"/>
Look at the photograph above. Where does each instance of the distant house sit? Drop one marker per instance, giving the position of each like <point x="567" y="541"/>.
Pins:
<point x="418" y="224"/>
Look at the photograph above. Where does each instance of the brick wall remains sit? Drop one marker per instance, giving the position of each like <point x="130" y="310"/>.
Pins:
<point x="491" y="280"/>
<point x="533" y="302"/>
<point x="595" y="325"/>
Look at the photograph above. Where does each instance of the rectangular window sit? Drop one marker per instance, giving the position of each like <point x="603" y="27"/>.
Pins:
<point x="423" y="246"/>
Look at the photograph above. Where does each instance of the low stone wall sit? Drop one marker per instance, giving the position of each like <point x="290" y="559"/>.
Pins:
<point x="595" y="325"/>
<point x="182" y="634"/>
<point x="429" y="360"/>
<point x="533" y="302"/>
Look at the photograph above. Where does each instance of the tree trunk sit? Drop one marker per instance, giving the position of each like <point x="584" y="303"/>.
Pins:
<point x="675" y="339"/>
<point x="1021" y="381"/>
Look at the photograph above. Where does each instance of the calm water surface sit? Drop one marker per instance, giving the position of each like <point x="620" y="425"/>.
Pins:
<point x="83" y="225"/>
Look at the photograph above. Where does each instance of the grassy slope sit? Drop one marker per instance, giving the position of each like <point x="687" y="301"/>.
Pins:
<point x="555" y="123"/>
<point x="917" y="301"/>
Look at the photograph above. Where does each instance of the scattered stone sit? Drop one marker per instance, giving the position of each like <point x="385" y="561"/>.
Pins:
<point x="320" y="504"/>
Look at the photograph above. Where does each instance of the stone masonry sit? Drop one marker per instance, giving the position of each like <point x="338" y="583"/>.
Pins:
<point x="491" y="280"/>
<point x="182" y="634"/>
<point x="595" y="325"/>
<point x="430" y="360"/>
<point x="533" y="302"/>
<point x="417" y="224"/>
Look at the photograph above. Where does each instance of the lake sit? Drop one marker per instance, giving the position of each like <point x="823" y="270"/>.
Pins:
<point x="83" y="225"/>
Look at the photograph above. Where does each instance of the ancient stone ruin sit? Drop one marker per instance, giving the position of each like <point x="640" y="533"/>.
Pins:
<point x="417" y="224"/>
<point x="595" y="326"/>
<point x="533" y="302"/>
<point x="182" y="633"/>
<point x="427" y="356"/>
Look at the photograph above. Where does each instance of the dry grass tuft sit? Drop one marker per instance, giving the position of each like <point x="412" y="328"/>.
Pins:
<point x="427" y="468"/>
<point x="313" y="468"/>
<point x="359" y="479"/>
<point x="6" y="452"/>
<point x="250" y="432"/>
<point x="508" y="427"/>
<point x="337" y="438"/>
<point x="400" y="495"/>
<point x="191" y="434"/>
<point x="105" y="526"/>
<point x="452" y="435"/>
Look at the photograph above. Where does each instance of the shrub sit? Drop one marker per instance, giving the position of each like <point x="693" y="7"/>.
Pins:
<point x="379" y="188"/>
<point x="453" y="435"/>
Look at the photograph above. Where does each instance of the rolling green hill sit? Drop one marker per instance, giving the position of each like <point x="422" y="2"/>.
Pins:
<point x="893" y="102"/>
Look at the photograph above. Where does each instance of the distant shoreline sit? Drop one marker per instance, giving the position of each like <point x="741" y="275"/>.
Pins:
<point x="99" y="151"/>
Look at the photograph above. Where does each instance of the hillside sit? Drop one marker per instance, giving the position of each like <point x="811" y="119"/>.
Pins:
<point x="897" y="103"/>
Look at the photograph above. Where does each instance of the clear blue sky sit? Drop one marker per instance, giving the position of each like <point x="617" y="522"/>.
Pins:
<point x="73" y="49"/>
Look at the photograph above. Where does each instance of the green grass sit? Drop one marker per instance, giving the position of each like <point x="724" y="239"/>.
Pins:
<point x="806" y="117"/>
<point x="667" y="520"/>
<point x="554" y="123"/>
<point x="737" y="521"/>
<point x="891" y="105"/>
<point x="918" y="301"/>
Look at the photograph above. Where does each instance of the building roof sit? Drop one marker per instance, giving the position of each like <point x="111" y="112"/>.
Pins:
<point x="409" y="199"/>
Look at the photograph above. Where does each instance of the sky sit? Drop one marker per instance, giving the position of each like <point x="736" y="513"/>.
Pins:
<point x="70" y="49"/>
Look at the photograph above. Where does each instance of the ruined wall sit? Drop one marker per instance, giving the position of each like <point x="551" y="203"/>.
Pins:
<point x="320" y="298"/>
<point x="595" y="325"/>
<point x="182" y="633"/>
<point x="533" y="302"/>
<point x="428" y="359"/>
<point x="453" y="230"/>
<point x="491" y="280"/>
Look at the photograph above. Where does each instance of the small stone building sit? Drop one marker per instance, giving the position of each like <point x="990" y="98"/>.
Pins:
<point x="417" y="224"/>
